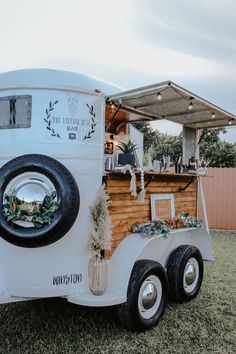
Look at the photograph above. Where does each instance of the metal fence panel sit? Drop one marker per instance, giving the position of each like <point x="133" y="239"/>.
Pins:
<point x="220" y="196"/>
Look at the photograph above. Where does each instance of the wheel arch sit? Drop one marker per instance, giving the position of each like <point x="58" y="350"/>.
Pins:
<point x="158" y="248"/>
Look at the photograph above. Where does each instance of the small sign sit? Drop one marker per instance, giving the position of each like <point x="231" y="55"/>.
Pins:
<point x="75" y="121"/>
<point x="163" y="209"/>
<point x="162" y="206"/>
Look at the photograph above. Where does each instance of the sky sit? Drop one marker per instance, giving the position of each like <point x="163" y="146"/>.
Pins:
<point x="128" y="42"/>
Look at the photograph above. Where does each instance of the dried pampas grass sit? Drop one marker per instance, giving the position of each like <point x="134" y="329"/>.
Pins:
<point x="100" y="234"/>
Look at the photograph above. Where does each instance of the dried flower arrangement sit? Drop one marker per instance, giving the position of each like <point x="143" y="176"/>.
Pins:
<point x="100" y="240"/>
<point x="100" y="234"/>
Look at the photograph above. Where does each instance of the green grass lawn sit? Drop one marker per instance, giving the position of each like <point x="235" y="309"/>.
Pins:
<point x="204" y="325"/>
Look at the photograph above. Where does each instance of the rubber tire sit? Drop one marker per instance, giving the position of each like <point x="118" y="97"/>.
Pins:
<point x="67" y="191"/>
<point x="175" y="272"/>
<point x="128" y="313"/>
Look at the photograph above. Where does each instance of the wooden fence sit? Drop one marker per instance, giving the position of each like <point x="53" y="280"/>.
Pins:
<point x="220" y="196"/>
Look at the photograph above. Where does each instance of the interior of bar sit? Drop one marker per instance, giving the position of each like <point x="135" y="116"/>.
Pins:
<point x="143" y="189"/>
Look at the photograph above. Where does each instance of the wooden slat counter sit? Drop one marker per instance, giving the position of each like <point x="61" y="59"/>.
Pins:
<point x="125" y="210"/>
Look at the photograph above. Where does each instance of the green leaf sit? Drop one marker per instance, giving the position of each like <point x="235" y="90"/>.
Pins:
<point x="128" y="148"/>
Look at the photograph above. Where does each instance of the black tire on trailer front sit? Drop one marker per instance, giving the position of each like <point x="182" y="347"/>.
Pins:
<point x="48" y="174"/>
<point x="185" y="273"/>
<point x="146" y="296"/>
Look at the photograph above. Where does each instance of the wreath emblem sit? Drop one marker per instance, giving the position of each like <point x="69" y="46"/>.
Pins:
<point x="93" y="123"/>
<point x="48" y="119"/>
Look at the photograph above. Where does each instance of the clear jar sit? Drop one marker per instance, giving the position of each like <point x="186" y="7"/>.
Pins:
<point x="97" y="275"/>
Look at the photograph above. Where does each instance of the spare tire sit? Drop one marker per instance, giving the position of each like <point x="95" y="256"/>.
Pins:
<point x="39" y="201"/>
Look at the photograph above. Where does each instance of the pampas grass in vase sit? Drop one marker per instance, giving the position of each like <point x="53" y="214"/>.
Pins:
<point x="100" y="240"/>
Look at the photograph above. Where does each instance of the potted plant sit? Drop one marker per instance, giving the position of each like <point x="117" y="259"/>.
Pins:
<point x="127" y="157"/>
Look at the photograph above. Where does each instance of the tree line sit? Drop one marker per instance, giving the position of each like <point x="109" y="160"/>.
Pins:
<point x="212" y="149"/>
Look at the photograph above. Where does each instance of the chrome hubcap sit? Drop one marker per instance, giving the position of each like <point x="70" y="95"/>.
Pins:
<point x="25" y="194"/>
<point x="150" y="295"/>
<point x="191" y="275"/>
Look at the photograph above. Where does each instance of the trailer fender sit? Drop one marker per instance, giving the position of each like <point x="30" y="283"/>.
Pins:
<point x="158" y="248"/>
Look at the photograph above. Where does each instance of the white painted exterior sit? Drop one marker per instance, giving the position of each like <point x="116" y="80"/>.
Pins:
<point x="29" y="272"/>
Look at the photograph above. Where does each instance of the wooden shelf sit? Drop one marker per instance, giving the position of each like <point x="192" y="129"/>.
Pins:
<point x="154" y="174"/>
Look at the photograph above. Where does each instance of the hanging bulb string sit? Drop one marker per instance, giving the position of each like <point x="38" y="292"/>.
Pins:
<point x="132" y="188"/>
<point x="141" y="195"/>
<point x="148" y="94"/>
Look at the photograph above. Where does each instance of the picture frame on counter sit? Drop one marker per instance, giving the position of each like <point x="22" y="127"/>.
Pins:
<point x="162" y="206"/>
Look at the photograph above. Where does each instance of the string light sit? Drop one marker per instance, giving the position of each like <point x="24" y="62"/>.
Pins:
<point x="112" y="105"/>
<point x="159" y="96"/>
<point x="231" y="120"/>
<point x="190" y="107"/>
<point x="213" y="115"/>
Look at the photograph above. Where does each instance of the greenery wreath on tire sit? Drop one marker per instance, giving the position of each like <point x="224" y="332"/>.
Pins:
<point x="52" y="214"/>
<point x="42" y="214"/>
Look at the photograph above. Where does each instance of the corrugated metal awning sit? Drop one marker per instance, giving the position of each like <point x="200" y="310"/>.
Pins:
<point x="167" y="100"/>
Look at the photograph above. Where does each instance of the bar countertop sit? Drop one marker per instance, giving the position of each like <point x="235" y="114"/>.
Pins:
<point x="154" y="174"/>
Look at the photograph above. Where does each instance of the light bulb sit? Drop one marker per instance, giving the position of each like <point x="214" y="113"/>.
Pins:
<point x="112" y="105"/>
<point x="213" y="115"/>
<point x="159" y="96"/>
<point x="190" y="107"/>
<point x="231" y="120"/>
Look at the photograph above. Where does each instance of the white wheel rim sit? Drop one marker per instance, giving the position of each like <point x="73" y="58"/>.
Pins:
<point x="191" y="275"/>
<point x="150" y="295"/>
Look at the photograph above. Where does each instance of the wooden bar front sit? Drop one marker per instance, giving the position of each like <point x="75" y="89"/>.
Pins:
<point x="126" y="210"/>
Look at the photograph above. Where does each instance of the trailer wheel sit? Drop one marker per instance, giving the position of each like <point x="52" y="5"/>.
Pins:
<point x="39" y="201"/>
<point x="146" y="296"/>
<point x="185" y="273"/>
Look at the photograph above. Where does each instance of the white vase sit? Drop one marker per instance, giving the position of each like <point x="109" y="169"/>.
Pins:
<point x="98" y="275"/>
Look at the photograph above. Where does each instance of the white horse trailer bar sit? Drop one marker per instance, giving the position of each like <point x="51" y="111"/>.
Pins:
<point x="52" y="134"/>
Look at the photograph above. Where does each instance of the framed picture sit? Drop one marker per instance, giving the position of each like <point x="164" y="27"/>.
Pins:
<point x="109" y="148"/>
<point x="162" y="206"/>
